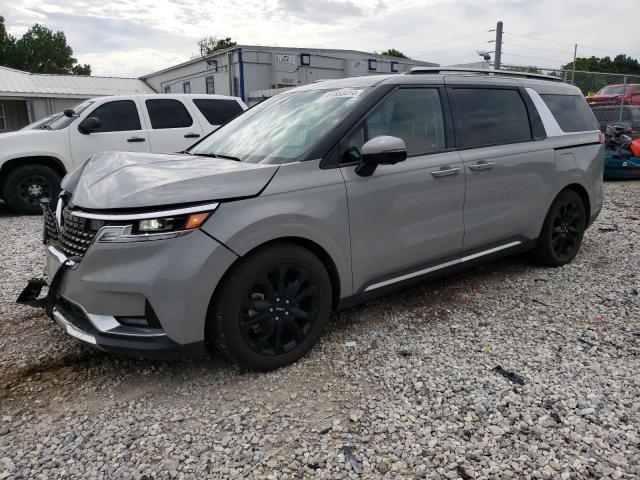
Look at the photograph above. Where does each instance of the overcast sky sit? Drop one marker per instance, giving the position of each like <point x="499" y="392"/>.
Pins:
<point x="135" y="37"/>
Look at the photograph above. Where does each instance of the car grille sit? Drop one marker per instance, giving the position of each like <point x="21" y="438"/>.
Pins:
<point x="72" y="238"/>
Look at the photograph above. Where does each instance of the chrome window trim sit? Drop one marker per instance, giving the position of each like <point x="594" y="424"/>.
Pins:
<point x="146" y="215"/>
<point x="441" y="266"/>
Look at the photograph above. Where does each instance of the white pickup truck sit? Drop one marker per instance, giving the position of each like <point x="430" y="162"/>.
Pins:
<point x="33" y="161"/>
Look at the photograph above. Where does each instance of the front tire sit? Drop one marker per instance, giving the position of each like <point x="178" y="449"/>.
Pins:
<point x="271" y="308"/>
<point x="27" y="185"/>
<point x="562" y="231"/>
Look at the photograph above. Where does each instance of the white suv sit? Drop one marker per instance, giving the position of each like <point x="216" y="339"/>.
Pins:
<point x="32" y="162"/>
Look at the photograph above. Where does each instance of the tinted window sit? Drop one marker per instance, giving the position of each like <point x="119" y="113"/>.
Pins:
<point x="168" y="113"/>
<point x="572" y="112"/>
<point x="491" y="116"/>
<point x="118" y="116"/>
<point x="218" y="112"/>
<point x="415" y="115"/>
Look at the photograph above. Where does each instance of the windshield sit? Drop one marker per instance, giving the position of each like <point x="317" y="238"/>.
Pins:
<point x="281" y="128"/>
<point x="612" y="90"/>
<point x="63" y="121"/>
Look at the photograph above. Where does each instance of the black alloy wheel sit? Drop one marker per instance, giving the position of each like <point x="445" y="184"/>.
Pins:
<point x="270" y="308"/>
<point x="567" y="229"/>
<point x="562" y="231"/>
<point x="279" y="310"/>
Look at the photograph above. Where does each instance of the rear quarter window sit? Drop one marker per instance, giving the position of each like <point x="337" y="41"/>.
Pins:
<point x="216" y="111"/>
<point x="572" y="113"/>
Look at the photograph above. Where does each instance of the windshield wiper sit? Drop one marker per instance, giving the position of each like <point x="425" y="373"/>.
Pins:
<point x="216" y="155"/>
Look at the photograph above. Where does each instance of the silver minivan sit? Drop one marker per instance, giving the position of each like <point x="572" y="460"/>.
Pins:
<point x="317" y="199"/>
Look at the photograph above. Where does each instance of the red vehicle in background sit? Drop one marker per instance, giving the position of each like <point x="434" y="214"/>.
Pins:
<point x="612" y="95"/>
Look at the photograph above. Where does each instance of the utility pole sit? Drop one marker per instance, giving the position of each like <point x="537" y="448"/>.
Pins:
<point x="575" y="54"/>
<point x="498" y="50"/>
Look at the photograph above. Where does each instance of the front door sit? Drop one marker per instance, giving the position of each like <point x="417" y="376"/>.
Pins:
<point x="408" y="215"/>
<point x="120" y="130"/>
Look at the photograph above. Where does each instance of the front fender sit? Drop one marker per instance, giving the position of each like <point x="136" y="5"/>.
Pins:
<point x="302" y="201"/>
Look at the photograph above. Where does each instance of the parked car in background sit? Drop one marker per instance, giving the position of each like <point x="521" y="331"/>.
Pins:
<point x="33" y="161"/>
<point x="613" y="95"/>
<point x="316" y="199"/>
<point x="615" y="115"/>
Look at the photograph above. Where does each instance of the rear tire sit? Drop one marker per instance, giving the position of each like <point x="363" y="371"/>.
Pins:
<point x="562" y="231"/>
<point x="271" y="308"/>
<point x="27" y="185"/>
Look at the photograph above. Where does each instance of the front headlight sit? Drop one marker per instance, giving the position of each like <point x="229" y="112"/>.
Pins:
<point x="147" y="226"/>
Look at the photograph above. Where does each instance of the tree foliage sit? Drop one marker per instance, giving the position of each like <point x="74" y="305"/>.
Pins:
<point x="392" y="52"/>
<point x="619" y="64"/>
<point x="39" y="50"/>
<point x="211" y="45"/>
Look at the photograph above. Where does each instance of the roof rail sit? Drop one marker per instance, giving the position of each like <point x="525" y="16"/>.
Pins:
<point x="436" y="70"/>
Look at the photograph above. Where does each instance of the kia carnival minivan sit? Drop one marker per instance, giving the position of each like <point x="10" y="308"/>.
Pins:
<point x="314" y="200"/>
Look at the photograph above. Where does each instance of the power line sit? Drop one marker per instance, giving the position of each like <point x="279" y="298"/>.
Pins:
<point x="438" y="52"/>
<point x="562" y="43"/>
<point x="428" y="47"/>
<point x="531" y="56"/>
<point x="536" y="48"/>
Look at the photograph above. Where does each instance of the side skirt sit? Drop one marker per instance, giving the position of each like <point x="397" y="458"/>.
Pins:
<point x="440" y="268"/>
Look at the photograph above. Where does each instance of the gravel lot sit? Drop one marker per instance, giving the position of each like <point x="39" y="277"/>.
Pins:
<point x="506" y="371"/>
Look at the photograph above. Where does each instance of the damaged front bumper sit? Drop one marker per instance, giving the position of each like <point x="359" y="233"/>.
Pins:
<point x="100" y="331"/>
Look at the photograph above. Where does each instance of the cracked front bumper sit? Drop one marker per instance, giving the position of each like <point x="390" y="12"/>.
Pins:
<point x="95" y="298"/>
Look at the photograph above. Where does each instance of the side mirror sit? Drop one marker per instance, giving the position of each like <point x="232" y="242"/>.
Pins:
<point x="89" y="125"/>
<point x="69" y="112"/>
<point x="381" y="150"/>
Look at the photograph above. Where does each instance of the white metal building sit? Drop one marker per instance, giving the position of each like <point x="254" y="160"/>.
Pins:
<point x="27" y="97"/>
<point x="255" y="72"/>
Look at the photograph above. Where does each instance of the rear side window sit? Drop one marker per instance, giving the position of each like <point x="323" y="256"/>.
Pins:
<point x="117" y="116"/>
<point x="491" y="117"/>
<point x="218" y="112"/>
<point x="571" y="112"/>
<point x="168" y="113"/>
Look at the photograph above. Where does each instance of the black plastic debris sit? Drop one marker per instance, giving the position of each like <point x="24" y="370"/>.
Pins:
<point x="513" y="377"/>
<point x="555" y="417"/>
<point x="324" y="430"/>
<point x="355" y="463"/>
<point x="462" y="473"/>
<point x="404" y="353"/>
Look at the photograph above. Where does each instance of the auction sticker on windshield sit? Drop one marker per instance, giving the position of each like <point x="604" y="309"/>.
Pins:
<point x="344" y="92"/>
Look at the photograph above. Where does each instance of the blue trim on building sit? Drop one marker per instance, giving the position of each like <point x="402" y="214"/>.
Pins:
<point x="206" y="84"/>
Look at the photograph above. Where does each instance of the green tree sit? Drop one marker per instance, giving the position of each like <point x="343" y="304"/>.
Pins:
<point x="392" y="52"/>
<point x="620" y="64"/>
<point x="40" y="50"/>
<point x="211" y="45"/>
<point x="7" y="45"/>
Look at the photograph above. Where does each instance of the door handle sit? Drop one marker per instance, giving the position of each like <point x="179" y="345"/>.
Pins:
<point x="478" y="167"/>
<point x="445" y="172"/>
<point x="135" y="139"/>
<point x="192" y="135"/>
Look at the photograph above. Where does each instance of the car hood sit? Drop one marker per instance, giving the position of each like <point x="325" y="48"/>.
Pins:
<point x="116" y="180"/>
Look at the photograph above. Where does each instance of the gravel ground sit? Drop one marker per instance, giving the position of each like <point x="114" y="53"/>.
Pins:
<point x="506" y="371"/>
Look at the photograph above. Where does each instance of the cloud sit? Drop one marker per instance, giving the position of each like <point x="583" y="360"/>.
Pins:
<point x="320" y="10"/>
<point x="130" y="37"/>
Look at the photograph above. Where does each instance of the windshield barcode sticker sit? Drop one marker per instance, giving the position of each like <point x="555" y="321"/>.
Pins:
<point x="344" y="92"/>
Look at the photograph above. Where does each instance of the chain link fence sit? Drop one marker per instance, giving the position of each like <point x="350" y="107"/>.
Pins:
<point x="613" y="97"/>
